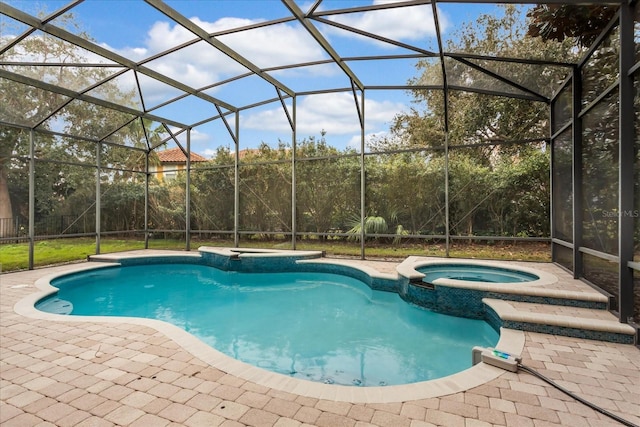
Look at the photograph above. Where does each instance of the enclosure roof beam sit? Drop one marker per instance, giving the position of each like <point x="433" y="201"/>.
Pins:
<point x="504" y="80"/>
<point x="597" y="42"/>
<point x="216" y="34"/>
<point x="380" y="6"/>
<point x="495" y="93"/>
<point x="253" y="26"/>
<point x="122" y="126"/>
<point x="444" y="72"/>
<point x="82" y="92"/>
<point x="377" y="87"/>
<point x="358" y="109"/>
<point x="82" y="97"/>
<point x="374" y="36"/>
<point x="286" y="110"/>
<point x="457" y="55"/>
<point x="195" y="29"/>
<point x="297" y="12"/>
<point x="223" y="117"/>
<point x="31" y="30"/>
<point x="27" y="19"/>
<point x="61" y="64"/>
<point x="330" y="61"/>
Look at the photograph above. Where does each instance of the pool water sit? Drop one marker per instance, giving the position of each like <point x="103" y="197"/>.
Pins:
<point x="315" y="326"/>
<point x="475" y="273"/>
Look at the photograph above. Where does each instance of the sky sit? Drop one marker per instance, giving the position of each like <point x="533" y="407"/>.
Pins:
<point x="136" y="30"/>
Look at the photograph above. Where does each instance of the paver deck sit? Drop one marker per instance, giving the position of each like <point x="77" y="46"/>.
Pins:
<point x="67" y="373"/>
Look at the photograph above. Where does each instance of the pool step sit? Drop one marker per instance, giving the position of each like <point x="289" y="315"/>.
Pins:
<point x="577" y="322"/>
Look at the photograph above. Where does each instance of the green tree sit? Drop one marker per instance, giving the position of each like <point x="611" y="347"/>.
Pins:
<point x="407" y="189"/>
<point x="327" y="186"/>
<point x="470" y="186"/>
<point x="559" y="22"/>
<point x="265" y="189"/>
<point x="491" y="180"/>
<point x="478" y="118"/>
<point x="212" y="193"/>
<point x="27" y="105"/>
<point x="520" y="206"/>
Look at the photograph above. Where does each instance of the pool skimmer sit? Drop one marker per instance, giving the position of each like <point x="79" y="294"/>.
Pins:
<point x="494" y="357"/>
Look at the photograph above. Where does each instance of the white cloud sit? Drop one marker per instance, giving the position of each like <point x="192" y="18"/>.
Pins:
<point x="200" y="64"/>
<point x="334" y="112"/>
<point x="407" y="23"/>
<point x="196" y="136"/>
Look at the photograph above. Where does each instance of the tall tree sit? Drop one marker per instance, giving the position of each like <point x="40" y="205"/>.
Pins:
<point x="559" y="22"/>
<point x="27" y="105"/>
<point x="489" y="126"/>
<point x="478" y="118"/>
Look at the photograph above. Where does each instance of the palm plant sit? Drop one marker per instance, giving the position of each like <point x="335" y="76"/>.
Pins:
<point x="375" y="225"/>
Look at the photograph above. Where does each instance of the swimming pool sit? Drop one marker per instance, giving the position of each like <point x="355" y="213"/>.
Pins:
<point x="475" y="273"/>
<point x="322" y="327"/>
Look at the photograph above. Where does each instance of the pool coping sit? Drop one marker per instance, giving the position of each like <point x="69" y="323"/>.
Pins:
<point x="511" y="341"/>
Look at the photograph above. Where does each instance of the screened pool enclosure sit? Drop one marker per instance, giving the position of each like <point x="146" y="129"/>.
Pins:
<point x="421" y="125"/>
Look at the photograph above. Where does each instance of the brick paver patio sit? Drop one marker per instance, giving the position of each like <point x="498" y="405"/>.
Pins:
<point x="58" y="373"/>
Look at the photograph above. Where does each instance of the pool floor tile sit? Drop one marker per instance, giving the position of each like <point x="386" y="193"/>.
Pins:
<point x="86" y="373"/>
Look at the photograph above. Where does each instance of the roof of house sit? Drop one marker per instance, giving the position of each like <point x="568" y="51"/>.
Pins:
<point x="175" y="155"/>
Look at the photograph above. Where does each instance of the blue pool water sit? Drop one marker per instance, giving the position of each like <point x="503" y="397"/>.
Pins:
<point x="475" y="273"/>
<point x="315" y="326"/>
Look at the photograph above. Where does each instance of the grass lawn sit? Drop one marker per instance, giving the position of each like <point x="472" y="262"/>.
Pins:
<point x="15" y="257"/>
<point x="48" y="252"/>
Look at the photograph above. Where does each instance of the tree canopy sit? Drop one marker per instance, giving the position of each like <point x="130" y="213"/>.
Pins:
<point x="559" y="22"/>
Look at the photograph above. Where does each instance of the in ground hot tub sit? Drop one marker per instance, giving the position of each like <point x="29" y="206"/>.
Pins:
<point x="472" y="274"/>
<point x="475" y="273"/>
<point x="458" y="287"/>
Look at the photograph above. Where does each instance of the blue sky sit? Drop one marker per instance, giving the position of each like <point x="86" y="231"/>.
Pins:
<point x="136" y="30"/>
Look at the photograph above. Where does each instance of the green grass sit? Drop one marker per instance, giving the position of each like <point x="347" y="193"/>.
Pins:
<point x="15" y="257"/>
<point x="48" y="252"/>
<point x="503" y="251"/>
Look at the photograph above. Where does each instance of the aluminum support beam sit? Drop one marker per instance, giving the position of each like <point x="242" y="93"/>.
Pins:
<point x="294" y="145"/>
<point x="32" y="197"/>
<point x="445" y="97"/>
<point x="447" y="225"/>
<point x="146" y="200"/>
<point x="98" y="196"/>
<point x="363" y="184"/>
<point x="236" y="185"/>
<point x="552" y="159"/>
<point x="187" y="201"/>
<point x="576" y="171"/>
<point x="626" y="164"/>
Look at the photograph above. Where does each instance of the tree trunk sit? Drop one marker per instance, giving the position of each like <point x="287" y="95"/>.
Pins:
<point x="6" y="213"/>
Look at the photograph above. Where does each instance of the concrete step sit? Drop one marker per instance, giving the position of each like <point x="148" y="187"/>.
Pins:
<point x="559" y="320"/>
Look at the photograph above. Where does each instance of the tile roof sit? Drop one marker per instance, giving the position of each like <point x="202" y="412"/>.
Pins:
<point x="175" y="155"/>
